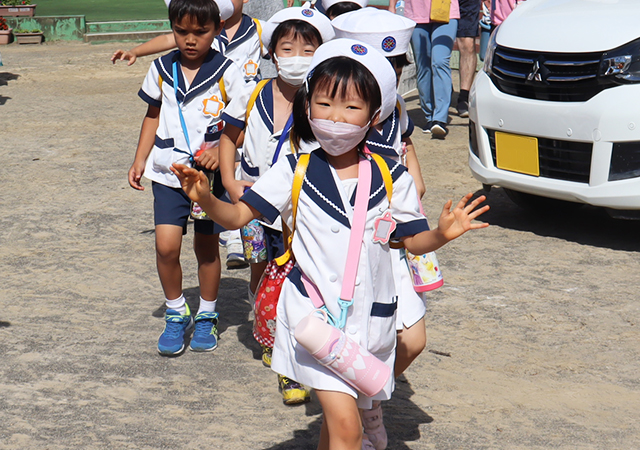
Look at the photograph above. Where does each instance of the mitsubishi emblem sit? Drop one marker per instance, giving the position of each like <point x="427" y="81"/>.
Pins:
<point x="535" y="75"/>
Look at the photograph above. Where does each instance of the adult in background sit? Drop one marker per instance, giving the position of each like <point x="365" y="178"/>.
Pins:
<point x="466" y="39"/>
<point x="432" y="43"/>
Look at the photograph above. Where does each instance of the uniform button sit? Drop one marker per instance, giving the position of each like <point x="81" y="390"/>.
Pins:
<point x="198" y="131"/>
<point x="199" y="108"/>
<point x="353" y="329"/>
<point x="357" y="281"/>
<point x="335" y="228"/>
<point x="333" y="278"/>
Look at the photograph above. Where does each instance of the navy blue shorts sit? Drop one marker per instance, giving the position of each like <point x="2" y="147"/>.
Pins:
<point x="469" y="22"/>
<point x="171" y="206"/>
<point x="274" y="243"/>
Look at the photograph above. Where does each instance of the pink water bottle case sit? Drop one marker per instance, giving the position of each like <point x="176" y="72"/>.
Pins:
<point x="342" y="355"/>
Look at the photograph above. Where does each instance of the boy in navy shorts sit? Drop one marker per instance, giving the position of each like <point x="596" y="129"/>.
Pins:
<point x="191" y="93"/>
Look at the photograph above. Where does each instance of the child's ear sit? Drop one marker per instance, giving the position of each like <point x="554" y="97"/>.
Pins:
<point x="221" y="27"/>
<point x="375" y="119"/>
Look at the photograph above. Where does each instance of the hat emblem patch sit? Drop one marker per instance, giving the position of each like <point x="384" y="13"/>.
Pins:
<point x="389" y="44"/>
<point x="307" y="13"/>
<point x="359" y="49"/>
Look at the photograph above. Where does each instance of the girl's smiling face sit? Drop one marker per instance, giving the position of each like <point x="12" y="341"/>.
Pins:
<point x="350" y="107"/>
<point x="294" y="46"/>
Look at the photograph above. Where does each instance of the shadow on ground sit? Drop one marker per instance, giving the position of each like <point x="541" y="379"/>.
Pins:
<point x="402" y="419"/>
<point x="587" y="225"/>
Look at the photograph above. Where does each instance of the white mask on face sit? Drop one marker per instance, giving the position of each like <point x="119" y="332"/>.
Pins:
<point x="337" y="138"/>
<point x="292" y="69"/>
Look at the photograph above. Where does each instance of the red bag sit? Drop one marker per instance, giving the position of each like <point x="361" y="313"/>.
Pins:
<point x="264" y="322"/>
<point x="268" y="292"/>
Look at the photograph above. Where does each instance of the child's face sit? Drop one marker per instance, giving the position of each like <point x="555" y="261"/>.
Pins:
<point x="289" y="46"/>
<point x="350" y="109"/>
<point x="193" y="40"/>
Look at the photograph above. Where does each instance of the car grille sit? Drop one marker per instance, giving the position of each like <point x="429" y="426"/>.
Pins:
<point x="558" y="77"/>
<point x="560" y="160"/>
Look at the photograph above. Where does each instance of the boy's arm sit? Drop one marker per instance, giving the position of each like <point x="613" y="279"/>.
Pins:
<point x="414" y="167"/>
<point x="145" y="145"/>
<point x="156" y="45"/>
<point x="452" y="224"/>
<point x="228" y="150"/>
<point x="196" y="185"/>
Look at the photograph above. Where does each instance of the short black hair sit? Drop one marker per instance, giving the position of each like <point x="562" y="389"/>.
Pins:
<point x="297" y="27"/>
<point x="399" y="61"/>
<point x="333" y="75"/>
<point x="203" y="11"/>
<point x="340" y="8"/>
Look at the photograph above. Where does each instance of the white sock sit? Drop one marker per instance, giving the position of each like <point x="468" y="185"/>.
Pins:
<point x="252" y="295"/>
<point x="178" y="304"/>
<point x="234" y="237"/>
<point x="207" y="306"/>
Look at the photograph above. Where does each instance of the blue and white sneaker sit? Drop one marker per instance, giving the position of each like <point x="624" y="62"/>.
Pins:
<point x="205" y="335"/>
<point x="171" y="341"/>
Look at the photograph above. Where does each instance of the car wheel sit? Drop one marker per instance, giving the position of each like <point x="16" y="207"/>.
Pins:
<point x="540" y="204"/>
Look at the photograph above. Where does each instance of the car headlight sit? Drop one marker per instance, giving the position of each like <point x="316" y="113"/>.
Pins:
<point x="622" y="63"/>
<point x="491" y="48"/>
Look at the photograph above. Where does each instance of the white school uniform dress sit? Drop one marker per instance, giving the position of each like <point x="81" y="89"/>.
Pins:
<point x="388" y="143"/>
<point x="245" y="49"/>
<point x="204" y="107"/>
<point x="320" y="243"/>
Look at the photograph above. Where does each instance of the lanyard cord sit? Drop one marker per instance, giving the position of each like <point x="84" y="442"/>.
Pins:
<point x="283" y="137"/>
<point x="182" y="122"/>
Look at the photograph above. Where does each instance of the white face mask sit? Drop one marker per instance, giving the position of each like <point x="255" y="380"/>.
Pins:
<point x="337" y="138"/>
<point x="292" y="69"/>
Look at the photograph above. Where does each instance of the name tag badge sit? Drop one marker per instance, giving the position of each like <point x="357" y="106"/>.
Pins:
<point x="383" y="226"/>
<point x="212" y="106"/>
<point x="251" y="69"/>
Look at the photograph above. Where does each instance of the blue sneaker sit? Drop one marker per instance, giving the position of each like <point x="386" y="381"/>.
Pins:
<point x="171" y="341"/>
<point x="205" y="335"/>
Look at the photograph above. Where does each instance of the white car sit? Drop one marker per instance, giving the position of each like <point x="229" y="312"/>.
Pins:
<point x="555" y="112"/>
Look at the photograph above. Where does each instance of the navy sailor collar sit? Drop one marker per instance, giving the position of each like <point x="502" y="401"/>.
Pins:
<point x="244" y="32"/>
<point x="264" y="105"/>
<point x="382" y="142"/>
<point x="211" y="70"/>
<point x="321" y="188"/>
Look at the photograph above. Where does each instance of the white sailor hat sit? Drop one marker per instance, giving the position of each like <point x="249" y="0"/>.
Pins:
<point x="305" y="13"/>
<point x="326" y="4"/>
<point x="378" y="65"/>
<point x="387" y="32"/>
<point x="225" y="6"/>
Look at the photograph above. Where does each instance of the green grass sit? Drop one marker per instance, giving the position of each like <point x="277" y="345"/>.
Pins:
<point x="103" y="10"/>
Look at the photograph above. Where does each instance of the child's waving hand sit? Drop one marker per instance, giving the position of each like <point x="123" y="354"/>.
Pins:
<point x="194" y="182"/>
<point x="455" y="222"/>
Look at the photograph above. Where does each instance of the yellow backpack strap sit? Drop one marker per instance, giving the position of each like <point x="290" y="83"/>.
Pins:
<point x="298" y="179"/>
<point x="223" y="90"/>
<point x="259" y="30"/>
<point x="386" y="174"/>
<point x="398" y="105"/>
<point x="160" y="82"/>
<point x="254" y="97"/>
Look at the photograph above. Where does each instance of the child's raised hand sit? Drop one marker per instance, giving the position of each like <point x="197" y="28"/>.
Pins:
<point x="455" y="222"/>
<point x="123" y="55"/>
<point x="194" y="182"/>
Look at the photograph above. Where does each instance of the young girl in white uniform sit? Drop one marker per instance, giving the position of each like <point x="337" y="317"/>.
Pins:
<point x="350" y="86"/>
<point x="292" y="36"/>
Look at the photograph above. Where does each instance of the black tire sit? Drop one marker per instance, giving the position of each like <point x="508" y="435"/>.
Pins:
<point x="540" y="204"/>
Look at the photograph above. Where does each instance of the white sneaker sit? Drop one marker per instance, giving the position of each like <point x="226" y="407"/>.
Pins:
<point x="374" y="429"/>
<point x="235" y="255"/>
<point x="223" y="238"/>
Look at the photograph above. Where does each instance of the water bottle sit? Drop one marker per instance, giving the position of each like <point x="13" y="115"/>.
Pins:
<point x="425" y="271"/>
<point x="400" y="8"/>
<point x="253" y="242"/>
<point x="342" y="355"/>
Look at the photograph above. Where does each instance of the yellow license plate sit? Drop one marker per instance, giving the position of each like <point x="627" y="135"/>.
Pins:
<point x="517" y="153"/>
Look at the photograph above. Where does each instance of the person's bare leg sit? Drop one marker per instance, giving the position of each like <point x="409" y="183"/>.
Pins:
<point x="342" y="425"/>
<point x="468" y="63"/>
<point x="207" y="252"/>
<point x="411" y="342"/>
<point x="168" y="244"/>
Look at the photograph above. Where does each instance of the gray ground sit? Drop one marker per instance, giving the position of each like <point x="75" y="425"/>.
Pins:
<point x="539" y="313"/>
